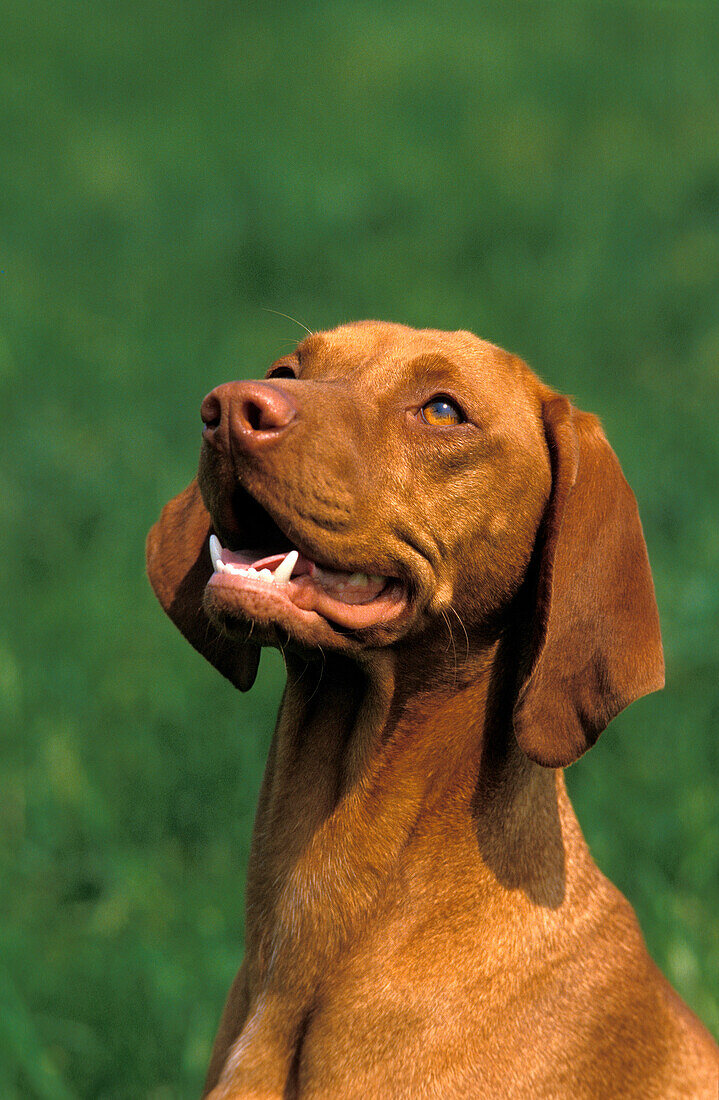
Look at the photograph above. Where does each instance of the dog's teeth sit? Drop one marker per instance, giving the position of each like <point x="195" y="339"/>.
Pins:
<point x="220" y="566"/>
<point x="252" y="573"/>
<point x="265" y="575"/>
<point x="283" y="572"/>
<point x="215" y="552"/>
<point x="236" y="570"/>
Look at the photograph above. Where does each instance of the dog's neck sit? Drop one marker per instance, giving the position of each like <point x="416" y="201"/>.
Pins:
<point x="361" y="803"/>
<point x="357" y="775"/>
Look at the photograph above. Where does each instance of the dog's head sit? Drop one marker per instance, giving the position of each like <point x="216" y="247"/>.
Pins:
<point x="382" y="478"/>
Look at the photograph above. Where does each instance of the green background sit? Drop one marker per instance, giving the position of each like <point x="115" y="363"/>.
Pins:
<point x="544" y="174"/>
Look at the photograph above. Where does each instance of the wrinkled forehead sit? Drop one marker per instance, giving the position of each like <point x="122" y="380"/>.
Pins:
<point x="386" y="357"/>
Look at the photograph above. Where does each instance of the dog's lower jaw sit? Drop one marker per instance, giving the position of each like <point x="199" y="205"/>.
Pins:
<point x="350" y="835"/>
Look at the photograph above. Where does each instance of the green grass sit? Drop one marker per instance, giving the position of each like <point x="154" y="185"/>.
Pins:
<point x="545" y="174"/>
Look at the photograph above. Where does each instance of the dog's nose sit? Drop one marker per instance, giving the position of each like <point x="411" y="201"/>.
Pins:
<point x="251" y="414"/>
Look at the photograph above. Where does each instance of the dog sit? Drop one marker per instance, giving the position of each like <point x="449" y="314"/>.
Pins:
<point x="452" y="563"/>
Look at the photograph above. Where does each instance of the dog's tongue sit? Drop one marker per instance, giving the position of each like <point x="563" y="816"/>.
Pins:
<point x="351" y="588"/>
<point x="302" y="565"/>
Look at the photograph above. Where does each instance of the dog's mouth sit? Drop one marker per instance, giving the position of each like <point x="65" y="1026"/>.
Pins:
<point x="291" y="589"/>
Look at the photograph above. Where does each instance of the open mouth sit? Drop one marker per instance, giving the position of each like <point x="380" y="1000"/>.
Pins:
<point x="283" y="568"/>
<point x="289" y="588"/>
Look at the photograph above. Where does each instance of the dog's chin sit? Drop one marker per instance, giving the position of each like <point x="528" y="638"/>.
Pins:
<point x="301" y="610"/>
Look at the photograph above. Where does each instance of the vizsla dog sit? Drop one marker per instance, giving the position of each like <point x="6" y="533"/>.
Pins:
<point x="449" y="557"/>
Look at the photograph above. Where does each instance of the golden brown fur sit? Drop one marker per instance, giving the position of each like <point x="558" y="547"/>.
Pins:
<point x="423" y="916"/>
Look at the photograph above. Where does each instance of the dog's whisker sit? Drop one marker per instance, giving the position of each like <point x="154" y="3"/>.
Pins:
<point x="464" y="628"/>
<point x="282" y="652"/>
<point x="266" y="309"/>
<point x="321" y="674"/>
<point x="451" y="638"/>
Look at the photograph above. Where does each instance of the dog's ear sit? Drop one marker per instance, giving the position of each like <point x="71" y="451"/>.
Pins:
<point x="595" y="642"/>
<point x="179" y="567"/>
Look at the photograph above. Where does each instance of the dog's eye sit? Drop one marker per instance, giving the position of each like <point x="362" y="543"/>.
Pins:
<point x="440" y="412"/>
<point x="281" y="372"/>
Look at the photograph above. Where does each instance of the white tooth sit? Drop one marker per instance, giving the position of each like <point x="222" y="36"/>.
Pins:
<point x="220" y="567"/>
<point x="283" y="572"/>
<point x="237" y="570"/>
<point x="265" y="575"/>
<point x="357" y="579"/>
<point x="215" y="551"/>
<point x="252" y="573"/>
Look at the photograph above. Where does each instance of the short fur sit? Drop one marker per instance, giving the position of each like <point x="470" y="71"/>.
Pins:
<point x="423" y="916"/>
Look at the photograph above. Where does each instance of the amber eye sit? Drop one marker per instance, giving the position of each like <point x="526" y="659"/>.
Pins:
<point x="441" y="413"/>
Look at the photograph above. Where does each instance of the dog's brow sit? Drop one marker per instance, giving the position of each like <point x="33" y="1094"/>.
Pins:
<point x="311" y="345"/>
<point x="429" y="367"/>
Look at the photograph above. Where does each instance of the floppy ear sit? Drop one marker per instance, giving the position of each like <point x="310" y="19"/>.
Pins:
<point x="596" y="645"/>
<point x="179" y="567"/>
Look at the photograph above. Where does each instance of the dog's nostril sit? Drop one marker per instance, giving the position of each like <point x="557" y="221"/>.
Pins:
<point x="256" y="417"/>
<point x="261" y="409"/>
<point x="245" y="414"/>
<point x="211" y="411"/>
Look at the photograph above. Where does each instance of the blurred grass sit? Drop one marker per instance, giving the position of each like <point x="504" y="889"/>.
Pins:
<point x="545" y="174"/>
